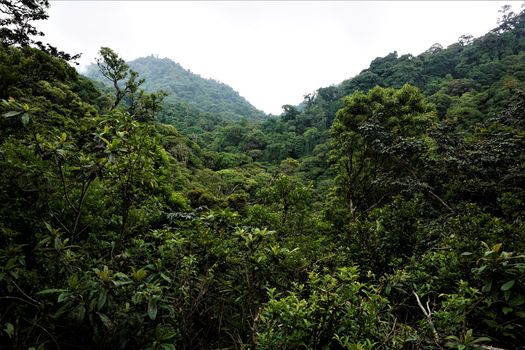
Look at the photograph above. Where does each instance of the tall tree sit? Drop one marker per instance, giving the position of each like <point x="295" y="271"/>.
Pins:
<point x="115" y="69"/>
<point x="126" y="84"/>
<point x="376" y="140"/>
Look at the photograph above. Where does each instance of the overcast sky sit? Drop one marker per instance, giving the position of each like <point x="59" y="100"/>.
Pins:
<point x="271" y="52"/>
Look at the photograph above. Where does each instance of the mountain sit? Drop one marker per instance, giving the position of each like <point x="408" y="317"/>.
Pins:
<point x="488" y="69"/>
<point x="469" y="81"/>
<point x="183" y="86"/>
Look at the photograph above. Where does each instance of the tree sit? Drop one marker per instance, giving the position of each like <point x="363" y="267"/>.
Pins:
<point x="290" y="112"/>
<point x="16" y="28"/>
<point x="508" y="19"/>
<point x="141" y="105"/>
<point x="465" y="39"/>
<point x="377" y="139"/>
<point x="435" y="48"/>
<point x="116" y="70"/>
<point x="15" y="20"/>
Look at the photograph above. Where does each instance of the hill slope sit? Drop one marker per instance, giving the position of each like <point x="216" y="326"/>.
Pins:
<point x="468" y="81"/>
<point x="183" y="86"/>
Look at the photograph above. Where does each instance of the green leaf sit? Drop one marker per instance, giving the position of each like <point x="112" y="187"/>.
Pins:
<point x="62" y="296"/>
<point x="122" y="283"/>
<point x="487" y="287"/>
<point x="105" y="140"/>
<point x="58" y="243"/>
<point x="506" y="295"/>
<point x="496" y="247"/>
<point x="40" y="347"/>
<point x="73" y="281"/>
<point x="152" y="309"/>
<point x="63" y="309"/>
<point x="106" y="321"/>
<point x="480" y="340"/>
<point x="79" y="312"/>
<point x="168" y="334"/>
<point x="50" y="291"/>
<point x="102" y="297"/>
<point x="508" y="285"/>
<point x="517" y="300"/>
<point x="164" y="277"/>
<point x="9" y="329"/>
<point x="25" y="118"/>
<point x="11" y="114"/>
<point x="121" y="275"/>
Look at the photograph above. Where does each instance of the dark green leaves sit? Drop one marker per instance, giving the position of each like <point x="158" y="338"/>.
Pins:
<point x="508" y="285"/>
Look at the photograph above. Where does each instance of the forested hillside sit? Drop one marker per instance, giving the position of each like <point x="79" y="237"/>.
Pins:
<point x="189" y="89"/>
<point x="387" y="212"/>
<point x="469" y="81"/>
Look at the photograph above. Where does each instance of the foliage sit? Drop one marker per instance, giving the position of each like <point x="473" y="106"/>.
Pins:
<point x="17" y="29"/>
<point x="199" y="94"/>
<point x="121" y="231"/>
<point x="377" y="134"/>
<point x="330" y="311"/>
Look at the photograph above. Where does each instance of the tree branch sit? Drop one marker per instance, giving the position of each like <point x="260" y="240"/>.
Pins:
<point x="428" y="315"/>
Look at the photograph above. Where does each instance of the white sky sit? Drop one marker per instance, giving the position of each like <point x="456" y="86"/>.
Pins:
<point x="271" y="52"/>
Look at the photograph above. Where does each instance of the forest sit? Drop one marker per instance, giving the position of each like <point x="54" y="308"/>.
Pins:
<point x="384" y="212"/>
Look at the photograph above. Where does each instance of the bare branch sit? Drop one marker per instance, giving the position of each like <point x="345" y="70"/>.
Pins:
<point x="428" y="315"/>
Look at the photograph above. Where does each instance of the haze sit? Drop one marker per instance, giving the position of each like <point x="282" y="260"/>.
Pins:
<point x="274" y="52"/>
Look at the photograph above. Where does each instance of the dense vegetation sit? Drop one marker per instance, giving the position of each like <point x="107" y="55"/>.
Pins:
<point x="188" y="90"/>
<point x="387" y="212"/>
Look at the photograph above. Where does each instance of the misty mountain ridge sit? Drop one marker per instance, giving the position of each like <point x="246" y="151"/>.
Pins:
<point x="184" y="86"/>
